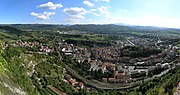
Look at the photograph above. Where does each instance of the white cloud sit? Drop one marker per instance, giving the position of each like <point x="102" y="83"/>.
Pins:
<point x="50" y="6"/>
<point x="101" y="11"/>
<point x="75" y="13"/>
<point x="94" y="12"/>
<point x="88" y="3"/>
<point x="75" y="10"/>
<point x="104" y="11"/>
<point x="43" y="16"/>
<point x="106" y="0"/>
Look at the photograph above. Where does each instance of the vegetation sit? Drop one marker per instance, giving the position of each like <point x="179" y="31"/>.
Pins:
<point x="33" y="72"/>
<point x="158" y="86"/>
<point x="16" y="71"/>
<point x="136" y="51"/>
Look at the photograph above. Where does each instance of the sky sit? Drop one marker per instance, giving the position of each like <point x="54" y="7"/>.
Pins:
<point x="163" y="13"/>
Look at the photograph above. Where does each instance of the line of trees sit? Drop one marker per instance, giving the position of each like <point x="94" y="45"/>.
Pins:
<point x="136" y="51"/>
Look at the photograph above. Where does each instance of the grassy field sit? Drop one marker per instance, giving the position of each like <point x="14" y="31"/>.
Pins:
<point x="90" y="37"/>
<point x="8" y="37"/>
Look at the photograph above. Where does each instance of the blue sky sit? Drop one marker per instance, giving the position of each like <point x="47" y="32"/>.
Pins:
<point x="164" y="13"/>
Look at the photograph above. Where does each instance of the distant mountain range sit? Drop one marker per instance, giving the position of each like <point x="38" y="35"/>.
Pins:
<point x="92" y="28"/>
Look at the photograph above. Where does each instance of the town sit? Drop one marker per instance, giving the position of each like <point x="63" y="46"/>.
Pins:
<point x="111" y="64"/>
<point x="72" y="61"/>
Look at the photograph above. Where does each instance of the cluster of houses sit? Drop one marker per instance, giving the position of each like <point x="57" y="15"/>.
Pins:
<point x="120" y="73"/>
<point x="109" y="61"/>
<point x="40" y="46"/>
<point x="45" y="49"/>
<point x="26" y="44"/>
<point x="111" y="72"/>
<point x="71" y="32"/>
<point x="79" y="54"/>
<point x="144" y="42"/>
<point x="112" y="65"/>
<point x="77" y="85"/>
<point x="107" y="53"/>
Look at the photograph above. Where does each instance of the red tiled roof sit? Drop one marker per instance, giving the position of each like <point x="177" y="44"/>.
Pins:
<point x="119" y="75"/>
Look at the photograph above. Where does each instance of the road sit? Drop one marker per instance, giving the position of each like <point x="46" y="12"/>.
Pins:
<point x="131" y="42"/>
<point x="159" y="41"/>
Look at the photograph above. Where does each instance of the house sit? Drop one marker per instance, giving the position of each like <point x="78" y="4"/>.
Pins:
<point x="177" y="65"/>
<point x="105" y="80"/>
<point x="165" y="65"/>
<point x="113" y="80"/>
<point x="68" y="77"/>
<point x="139" y="63"/>
<point x="120" y="69"/>
<point x="72" y="81"/>
<point x="112" y="68"/>
<point x="95" y="65"/>
<point x="119" y="75"/>
<point x="81" y="85"/>
<point x="89" y="60"/>
<point x="124" y="79"/>
<point x="78" y="85"/>
<point x="103" y="68"/>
